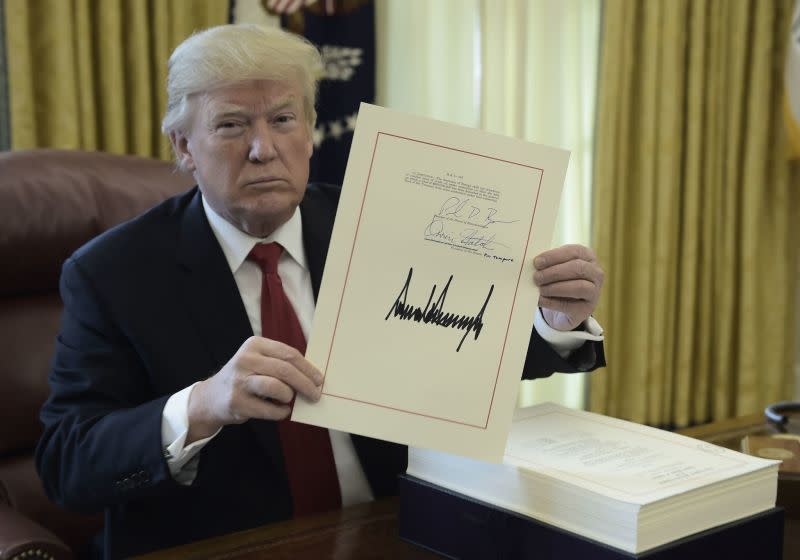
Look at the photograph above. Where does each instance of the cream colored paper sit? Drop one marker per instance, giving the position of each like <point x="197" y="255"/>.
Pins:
<point x="434" y="219"/>
<point x="625" y="461"/>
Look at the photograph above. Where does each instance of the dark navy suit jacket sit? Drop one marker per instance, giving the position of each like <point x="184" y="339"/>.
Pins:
<point x="150" y="307"/>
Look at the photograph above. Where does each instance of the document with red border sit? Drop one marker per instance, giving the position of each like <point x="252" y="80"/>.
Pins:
<point x="427" y="301"/>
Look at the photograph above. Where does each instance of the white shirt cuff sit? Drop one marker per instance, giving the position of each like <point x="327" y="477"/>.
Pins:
<point x="174" y="429"/>
<point x="565" y="342"/>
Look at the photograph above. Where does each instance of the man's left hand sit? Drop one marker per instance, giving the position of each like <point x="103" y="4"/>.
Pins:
<point x="569" y="281"/>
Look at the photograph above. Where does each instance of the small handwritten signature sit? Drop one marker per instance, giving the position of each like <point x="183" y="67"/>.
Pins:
<point x="435" y="314"/>
<point x="476" y="235"/>
<point x="469" y="237"/>
<point x="462" y="208"/>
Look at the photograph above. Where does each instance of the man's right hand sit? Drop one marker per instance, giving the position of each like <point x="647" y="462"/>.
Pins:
<point x="259" y="381"/>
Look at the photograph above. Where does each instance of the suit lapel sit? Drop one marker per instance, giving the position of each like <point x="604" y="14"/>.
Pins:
<point x="209" y="290"/>
<point x="318" y="216"/>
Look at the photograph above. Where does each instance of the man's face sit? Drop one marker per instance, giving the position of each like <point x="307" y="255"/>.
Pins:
<point x="249" y="148"/>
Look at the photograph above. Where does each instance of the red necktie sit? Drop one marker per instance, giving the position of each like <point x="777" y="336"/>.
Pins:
<point x="307" y="451"/>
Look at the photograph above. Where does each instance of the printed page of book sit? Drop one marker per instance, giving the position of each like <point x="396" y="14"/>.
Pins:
<point x="619" y="459"/>
<point x="427" y="301"/>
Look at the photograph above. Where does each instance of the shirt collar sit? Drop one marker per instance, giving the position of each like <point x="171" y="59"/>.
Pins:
<point x="236" y="244"/>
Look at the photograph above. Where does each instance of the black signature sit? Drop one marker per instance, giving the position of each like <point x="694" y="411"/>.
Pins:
<point x="435" y="313"/>
<point x="455" y="207"/>
<point x="437" y="230"/>
<point x="489" y="218"/>
<point x="469" y="237"/>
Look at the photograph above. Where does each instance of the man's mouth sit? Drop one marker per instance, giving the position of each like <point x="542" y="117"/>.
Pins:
<point x="264" y="181"/>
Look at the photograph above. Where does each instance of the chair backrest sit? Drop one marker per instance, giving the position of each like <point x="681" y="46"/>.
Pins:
<point x="51" y="203"/>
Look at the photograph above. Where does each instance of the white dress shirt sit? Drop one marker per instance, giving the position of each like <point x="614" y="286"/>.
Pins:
<point x="296" y="279"/>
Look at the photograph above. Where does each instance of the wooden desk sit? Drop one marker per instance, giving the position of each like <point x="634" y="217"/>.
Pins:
<point x="729" y="433"/>
<point x="369" y="531"/>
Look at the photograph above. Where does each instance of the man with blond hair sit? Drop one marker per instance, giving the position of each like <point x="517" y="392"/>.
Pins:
<point x="182" y="338"/>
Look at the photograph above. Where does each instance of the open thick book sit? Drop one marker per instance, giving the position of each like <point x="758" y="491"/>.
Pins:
<point x="629" y="486"/>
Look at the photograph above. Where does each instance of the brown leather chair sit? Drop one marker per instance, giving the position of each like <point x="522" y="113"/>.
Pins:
<point x="51" y="202"/>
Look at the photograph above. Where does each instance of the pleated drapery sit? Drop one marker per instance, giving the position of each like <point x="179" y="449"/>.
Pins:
<point x="697" y="210"/>
<point x="91" y="74"/>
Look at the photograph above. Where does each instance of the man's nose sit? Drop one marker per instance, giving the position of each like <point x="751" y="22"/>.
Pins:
<point x="262" y="143"/>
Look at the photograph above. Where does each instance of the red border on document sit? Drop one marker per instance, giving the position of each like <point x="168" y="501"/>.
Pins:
<point x="350" y="261"/>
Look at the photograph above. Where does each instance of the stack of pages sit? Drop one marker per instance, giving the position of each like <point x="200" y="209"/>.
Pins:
<point x="623" y="484"/>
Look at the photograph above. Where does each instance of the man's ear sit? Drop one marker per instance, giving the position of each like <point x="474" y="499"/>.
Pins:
<point x="180" y="144"/>
<point x="310" y="148"/>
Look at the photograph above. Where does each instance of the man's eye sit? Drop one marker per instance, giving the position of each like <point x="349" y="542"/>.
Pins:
<point x="228" y="125"/>
<point x="282" y="119"/>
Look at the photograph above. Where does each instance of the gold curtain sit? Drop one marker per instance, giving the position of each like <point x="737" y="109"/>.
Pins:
<point x="697" y="211"/>
<point x="91" y="74"/>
